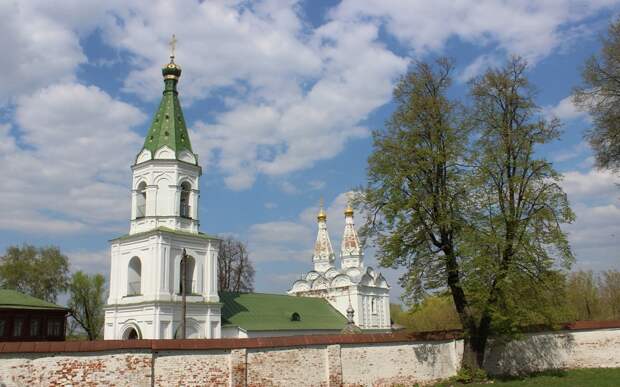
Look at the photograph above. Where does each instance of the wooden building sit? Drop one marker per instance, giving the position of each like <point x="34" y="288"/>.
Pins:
<point x="26" y="318"/>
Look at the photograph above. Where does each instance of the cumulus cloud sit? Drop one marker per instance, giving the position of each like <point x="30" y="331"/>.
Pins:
<point x="292" y="93"/>
<point x="478" y="66"/>
<point x="70" y="171"/>
<point x="595" y="235"/>
<point x="565" y="110"/>
<point x="37" y="50"/>
<point x="525" y="27"/>
<point x="591" y="185"/>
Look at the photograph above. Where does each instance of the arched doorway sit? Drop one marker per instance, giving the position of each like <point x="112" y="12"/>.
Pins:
<point x="132" y="333"/>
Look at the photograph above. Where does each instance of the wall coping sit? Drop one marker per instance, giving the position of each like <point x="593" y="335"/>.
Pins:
<point x="264" y="342"/>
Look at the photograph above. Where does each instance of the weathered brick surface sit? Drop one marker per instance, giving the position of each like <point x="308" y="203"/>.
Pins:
<point x="83" y="369"/>
<point x="302" y="366"/>
<point x="395" y="363"/>
<point x="333" y="365"/>
<point x="238" y="368"/>
<point x="349" y="360"/>
<point x="192" y="368"/>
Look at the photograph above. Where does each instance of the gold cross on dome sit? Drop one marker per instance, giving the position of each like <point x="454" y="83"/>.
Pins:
<point x="173" y="45"/>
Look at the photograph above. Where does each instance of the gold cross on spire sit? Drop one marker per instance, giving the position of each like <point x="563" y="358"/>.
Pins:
<point x="173" y="45"/>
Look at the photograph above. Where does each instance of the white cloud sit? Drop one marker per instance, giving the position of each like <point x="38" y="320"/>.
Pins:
<point x="571" y="153"/>
<point x="270" y="205"/>
<point x="92" y="262"/>
<point x="595" y="235"/>
<point x="478" y="66"/>
<point x="316" y="184"/>
<point x="565" y="110"/>
<point x="592" y="185"/>
<point x="526" y="27"/>
<point x="294" y="94"/>
<point x="70" y="172"/>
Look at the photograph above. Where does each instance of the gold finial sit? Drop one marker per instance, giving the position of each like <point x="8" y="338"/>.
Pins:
<point x="349" y="210"/>
<point x="173" y="45"/>
<point x="322" y="216"/>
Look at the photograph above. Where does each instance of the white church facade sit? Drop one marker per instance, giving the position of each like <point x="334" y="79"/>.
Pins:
<point x="352" y="285"/>
<point x="147" y="285"/>
<point x="145" y="278"/>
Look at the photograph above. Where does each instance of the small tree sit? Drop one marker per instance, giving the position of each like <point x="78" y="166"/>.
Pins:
<point x="86" y="302"/>
<point x="41" y="272"/>
<point x="600" y="96"/>
<point x="235" y="270"/>
<point x="583" y="296"/>
<point x="610" y="294"/>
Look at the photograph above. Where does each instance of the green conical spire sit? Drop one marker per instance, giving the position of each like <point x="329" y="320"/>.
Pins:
<point x="168" y="126"/>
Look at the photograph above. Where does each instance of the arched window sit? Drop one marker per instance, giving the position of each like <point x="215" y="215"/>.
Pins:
<point x="134" y="277"/>
<point x="185" y="207"/>
<point x="373" y="306"/>
<point x="141" y="201"/>
<point x="189" y="275"/>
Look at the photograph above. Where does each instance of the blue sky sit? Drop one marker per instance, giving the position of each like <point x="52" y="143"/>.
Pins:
<point x="280" y="97"/>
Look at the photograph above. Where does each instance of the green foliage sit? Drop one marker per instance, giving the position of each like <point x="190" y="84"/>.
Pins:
<point x="609" y="290"/>
<point x="600" y="96"/>
<point x="592" y="297"/>
<point x="467" y="375"/>
<point x="435" y="313"/>
<point x="41" y="272"/>
<point x="459" y="199"/>
<point x="86" y="302"/>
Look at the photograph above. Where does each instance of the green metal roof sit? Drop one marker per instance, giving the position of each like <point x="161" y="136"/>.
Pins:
<point x="165" y="230"/>
<point x="13" y="299"/>
<point x="168" y="126"/>
<point x="266" y="312"/>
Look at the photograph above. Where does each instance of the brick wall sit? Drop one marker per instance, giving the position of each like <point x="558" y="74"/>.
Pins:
<point x="334" y="360"/>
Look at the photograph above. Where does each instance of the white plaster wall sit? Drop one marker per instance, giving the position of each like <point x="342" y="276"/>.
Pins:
<point x="379" y="364"/>
<point x="163" y="320"/>
<point x="568" y="349"/>
<point x="399" y="363"/>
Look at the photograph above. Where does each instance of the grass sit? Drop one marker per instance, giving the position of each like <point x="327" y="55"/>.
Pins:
<point x="586" y="377"/>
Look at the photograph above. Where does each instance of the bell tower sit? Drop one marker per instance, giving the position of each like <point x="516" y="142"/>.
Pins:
<point x="146" y="288"/>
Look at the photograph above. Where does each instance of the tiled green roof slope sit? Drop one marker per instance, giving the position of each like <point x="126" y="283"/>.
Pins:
<point x="15" y="300"/>
<point x="168" y="126"/>
<point x="266" y="312"/>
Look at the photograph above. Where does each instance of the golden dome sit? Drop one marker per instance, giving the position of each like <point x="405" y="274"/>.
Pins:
<point x="322" y="216"/>
<point x="349" y="210"/>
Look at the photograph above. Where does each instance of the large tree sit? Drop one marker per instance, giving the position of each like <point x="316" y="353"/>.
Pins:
<point x="41" y="272"/>
<point x="600" y="96"/>
<point x="514" y="236"/>
<point x="235" y="270"/>
<point x="417" y="186"/>
<point x="476" y="215"/>
<point x="86" y="301"/>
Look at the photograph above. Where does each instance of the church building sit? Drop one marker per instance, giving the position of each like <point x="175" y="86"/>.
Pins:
<point x="352" y="285"/>
<point x="145" y="279"/>
<point x="165" y="258"/>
